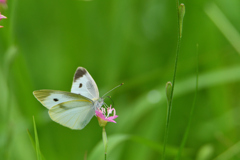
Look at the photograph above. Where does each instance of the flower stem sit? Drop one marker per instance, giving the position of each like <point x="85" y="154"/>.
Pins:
<point x="104" y="137"/>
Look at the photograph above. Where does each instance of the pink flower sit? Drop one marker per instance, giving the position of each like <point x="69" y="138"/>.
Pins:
<point x="105" y="117"/>
<point x="3" y="1"/>
<point x="1" y="17"/>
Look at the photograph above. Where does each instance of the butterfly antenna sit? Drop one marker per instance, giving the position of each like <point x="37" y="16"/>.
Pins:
<point x="113" y="89"/>
<point x="111" y="100"/>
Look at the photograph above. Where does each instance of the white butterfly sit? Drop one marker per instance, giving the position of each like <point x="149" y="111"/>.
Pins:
<point x="75" y="109"/>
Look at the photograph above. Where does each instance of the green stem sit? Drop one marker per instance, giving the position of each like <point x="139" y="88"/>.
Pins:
<point x="104" y="136"/>
<point x="173" y="84"/>
<point x="170" y="102"/>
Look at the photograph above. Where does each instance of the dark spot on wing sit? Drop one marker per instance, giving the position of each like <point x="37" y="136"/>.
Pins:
<point x="55" y="99"/>
<point x="80" y="85"/>
<point x="79" y="73"/>
<point x="62" y="107"/>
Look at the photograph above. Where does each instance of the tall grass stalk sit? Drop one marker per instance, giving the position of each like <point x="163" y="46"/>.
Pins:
<point x="180" y="12"/>
<point x="5" y="67"/>
<point x="191" y="113"/>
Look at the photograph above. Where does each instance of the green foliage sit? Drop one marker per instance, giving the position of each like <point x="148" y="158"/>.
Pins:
<point x="130" y="41"/>
<point x="116" y="140"/>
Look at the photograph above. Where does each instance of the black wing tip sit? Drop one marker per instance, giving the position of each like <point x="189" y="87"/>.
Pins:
<point x="79" y="73"/>
<point x="80" y="68"/>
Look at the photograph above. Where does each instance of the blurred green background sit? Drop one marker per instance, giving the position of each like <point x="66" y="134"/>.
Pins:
<point x="131" y="41"/>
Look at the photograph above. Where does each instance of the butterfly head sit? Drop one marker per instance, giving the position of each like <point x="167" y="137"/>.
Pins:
<point x="98" y="103"/>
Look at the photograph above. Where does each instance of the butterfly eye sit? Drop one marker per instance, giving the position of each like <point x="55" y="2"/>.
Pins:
<point x="55" y="99"/>
<point x="80" y="85"/>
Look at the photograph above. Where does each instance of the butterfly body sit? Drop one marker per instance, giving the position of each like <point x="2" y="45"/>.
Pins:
<point x="97" y="104"/>
<point x="76" y="108"/>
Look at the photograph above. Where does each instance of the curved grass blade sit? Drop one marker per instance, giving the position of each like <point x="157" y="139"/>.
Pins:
<point x="224" y="25"/>
<point x="230" y="152"/>
<point x="32" y="140"/>
<point x="36" y="142"/>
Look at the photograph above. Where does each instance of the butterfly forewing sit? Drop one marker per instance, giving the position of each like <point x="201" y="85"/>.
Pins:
<point x="50" y="98"/>
<point x="84" y="84"/>
<point x="74" y="114"/>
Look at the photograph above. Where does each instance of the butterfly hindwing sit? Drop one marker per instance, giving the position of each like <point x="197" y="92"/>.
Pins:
<point x="74" y="114"/>
<point x="84" y="84"/>
<point x="50" y="98"/>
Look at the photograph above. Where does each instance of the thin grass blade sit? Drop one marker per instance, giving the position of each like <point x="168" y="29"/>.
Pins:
<point x="191" y="113"/>
<point x="32" y="140"/>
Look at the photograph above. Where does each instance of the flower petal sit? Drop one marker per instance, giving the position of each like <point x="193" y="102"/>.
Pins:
<point x="110" y="120"/>
<point x="3" y="1"/>
<point x="99" y="114"/>
<point x="2" y="16"/>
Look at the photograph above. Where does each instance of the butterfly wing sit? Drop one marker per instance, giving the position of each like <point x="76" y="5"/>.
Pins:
<point x="50" y="98"/>
<point x="84" y="84"/>
<point x="74" y="114"/>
